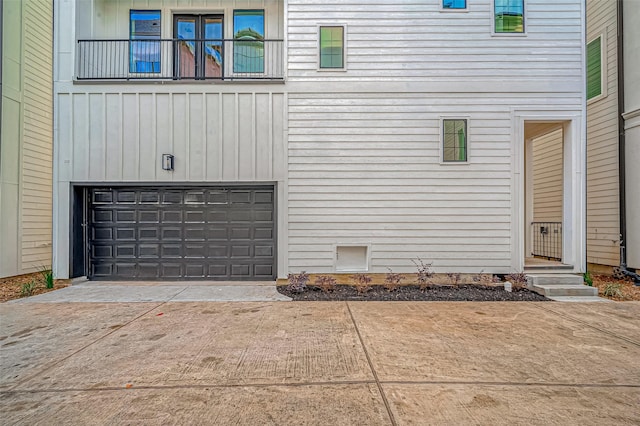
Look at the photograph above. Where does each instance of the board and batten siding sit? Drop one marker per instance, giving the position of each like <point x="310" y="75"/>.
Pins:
<point x="547" y="177"/>
<point x="364" y="144"/>
<point x="27" y="137"/>
<point x="603" y="202"/>
<point x="214" y="137"/>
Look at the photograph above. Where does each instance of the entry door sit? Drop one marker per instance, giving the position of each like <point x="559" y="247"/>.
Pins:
<point x="198" y="46"/>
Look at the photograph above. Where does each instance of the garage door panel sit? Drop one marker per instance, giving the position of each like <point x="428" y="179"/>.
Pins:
<point x="149" y="250"/>
<point x="189" y="233"/>
<point x="102" y="216"/>
<point x="125" y="234"/>
<point x="126" y="251"/>
<point x="148" y="270"/>
<point x="171" y="216"/>
<point x="102" y="252"/>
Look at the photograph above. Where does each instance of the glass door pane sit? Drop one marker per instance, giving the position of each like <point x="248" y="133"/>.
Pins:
<point x="213" y="46"/>
<point x="185" y="48"/>
<point x="248" y="45"/>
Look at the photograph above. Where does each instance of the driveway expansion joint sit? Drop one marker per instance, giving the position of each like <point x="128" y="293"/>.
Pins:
<point x="56" y="363"/>
<point x="373" y="371"/>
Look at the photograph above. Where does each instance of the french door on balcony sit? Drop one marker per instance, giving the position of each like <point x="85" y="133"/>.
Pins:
<point x="198" y="46"/>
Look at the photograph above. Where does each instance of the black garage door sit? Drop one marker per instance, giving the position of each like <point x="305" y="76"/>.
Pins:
<point x="182" y="233"/>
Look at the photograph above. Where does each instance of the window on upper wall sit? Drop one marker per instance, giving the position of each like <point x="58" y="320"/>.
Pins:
<point x="332" y="47"/>
<point x="509" y="16"/>
<point x="248" y="45"/>
<point x="144" y="52"/>
<point x="454" y="4"/>
<point x="454" y="140"/>
<point x="594" y="68"/>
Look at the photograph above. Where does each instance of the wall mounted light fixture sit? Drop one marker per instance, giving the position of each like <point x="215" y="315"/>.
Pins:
<point x="167" y="162"/>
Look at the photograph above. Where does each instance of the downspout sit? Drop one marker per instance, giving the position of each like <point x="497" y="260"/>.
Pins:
<point x="622" y="270"/>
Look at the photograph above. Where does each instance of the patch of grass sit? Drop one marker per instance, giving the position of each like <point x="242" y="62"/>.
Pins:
<point x="588" y="279"/>
<point x="47" y="277"/>
<point x="613" y="290"/>
<point x="28" y="288"/>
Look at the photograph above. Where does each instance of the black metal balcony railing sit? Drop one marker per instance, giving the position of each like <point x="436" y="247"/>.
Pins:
<point x="178" y="59"/>
<point x="547" y="239"/>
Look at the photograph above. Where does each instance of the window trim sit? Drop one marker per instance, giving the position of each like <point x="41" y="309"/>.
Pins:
<point x="455" y="10"/>
<point x="525" y="25"/>
<point x="467" y="120"/>
<point x="603" y="68"/>
<point x="344" y="48"/>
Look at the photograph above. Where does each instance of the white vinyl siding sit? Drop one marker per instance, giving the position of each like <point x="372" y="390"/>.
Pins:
<point x="603" y="221"/>
<point x="27" y="119"/>
<point x="365" y="169"/>
<point x="547" y="177"/>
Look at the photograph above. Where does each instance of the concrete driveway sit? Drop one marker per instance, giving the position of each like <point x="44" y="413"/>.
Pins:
<point x="337" y="363"/>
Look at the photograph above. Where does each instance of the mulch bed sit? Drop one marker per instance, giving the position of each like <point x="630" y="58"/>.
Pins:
<point x="462" y="293"/>
<point x="11" y="287"/>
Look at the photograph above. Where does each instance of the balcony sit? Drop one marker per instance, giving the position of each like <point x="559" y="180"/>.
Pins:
<point x="180" y="59"/>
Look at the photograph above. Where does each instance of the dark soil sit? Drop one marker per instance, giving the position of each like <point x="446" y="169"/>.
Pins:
<point x="466" y="293"/>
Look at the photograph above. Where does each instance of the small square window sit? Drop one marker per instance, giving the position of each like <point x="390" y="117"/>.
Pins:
<point x="594" y="68"/>
<point x="454" y="4"/>
<point x="454" y="140"/>
<point x="332" y="47"/>
<point x="509" y="16"/>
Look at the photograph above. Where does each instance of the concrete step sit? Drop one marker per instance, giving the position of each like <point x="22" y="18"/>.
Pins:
<point x="554" y="279"/>
<point x="563" y="290"/>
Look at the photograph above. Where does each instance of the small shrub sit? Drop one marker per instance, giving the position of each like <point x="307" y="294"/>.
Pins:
<point x="517" y="279"/>
<point x="28" y="288"/>
<point x="485" y="279"/>
<point x="454" y="278"/>
<point x="325" y="283"/>
<point x="613" y="290"/>
<point x="298" y="282"/>
<point x="588" y="279"/>
<point x="47" y="277"/>
<point x="392" y="280"/>
<point x="361" y="282"/>
<point x="424" y="273"/>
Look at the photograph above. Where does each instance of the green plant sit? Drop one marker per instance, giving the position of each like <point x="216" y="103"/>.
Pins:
<point x="298" y="282"/>
<point x="613" y="290"/>
<point x="361" y="282"/>
<point x="517" y="279"/>
<point x="424" y="273"/>
<point x="28" y="288"/>
<point x="47" y="277"/>
<point x="588" y="279"/>
<point x="325" y="283"/>
<point x="392" y="280"/>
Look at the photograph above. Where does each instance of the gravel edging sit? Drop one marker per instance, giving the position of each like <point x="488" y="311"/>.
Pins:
<point x="459" y="293"/>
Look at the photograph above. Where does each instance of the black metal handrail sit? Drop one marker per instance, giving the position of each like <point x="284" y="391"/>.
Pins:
<point x="547" y="240"/>
<point x="180" y="59"/>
